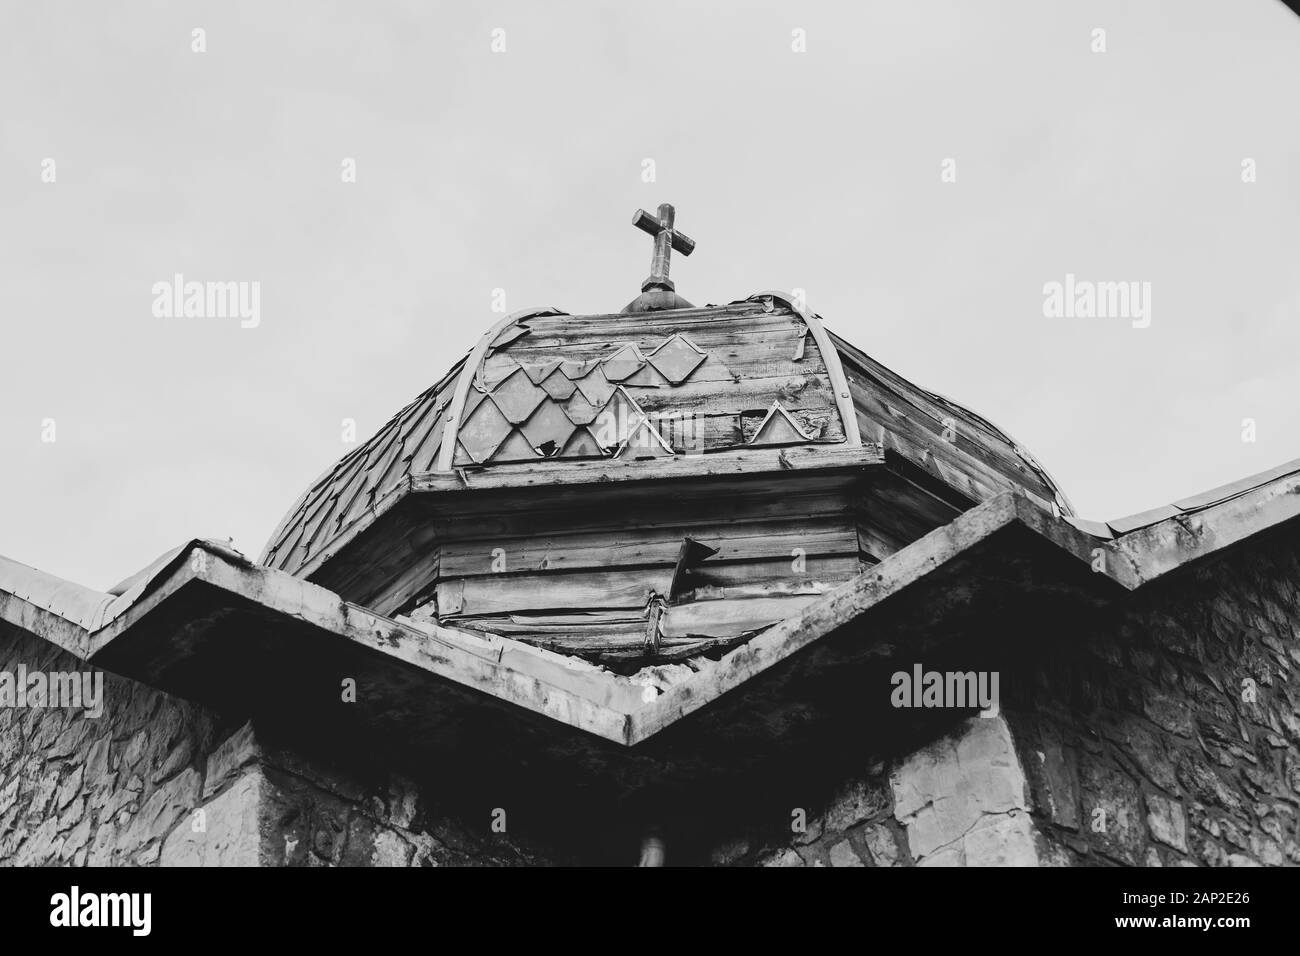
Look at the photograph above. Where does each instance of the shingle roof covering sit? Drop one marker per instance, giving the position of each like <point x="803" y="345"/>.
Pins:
<point x="550" y="386"/>
<point x="408" y="443"/>
<point x="545" y="386"/>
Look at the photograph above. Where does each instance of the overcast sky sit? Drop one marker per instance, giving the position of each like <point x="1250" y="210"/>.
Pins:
<point x="520" y="170"/>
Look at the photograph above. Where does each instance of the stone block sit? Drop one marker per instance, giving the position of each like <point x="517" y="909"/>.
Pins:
<point x="942" y="791"/>
<point x="169" y="803"/>
<point x="784" y="858"/>
<point x="1113" y="821"/>
<point x="1003" y="840"/>
<point x="231" y="834"/>
<point x="881" y="844"/>
<point x="1167" y="821"/>
<point x="229" y="758"/>
<point x="842" y="854"/>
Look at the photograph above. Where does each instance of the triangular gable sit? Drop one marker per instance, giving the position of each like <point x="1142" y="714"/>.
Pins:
<point x="644" y="441"/>
<point x="778" y="428"/>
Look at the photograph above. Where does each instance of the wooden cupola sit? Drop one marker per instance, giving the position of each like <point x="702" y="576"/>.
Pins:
<point x="643" y="487"/>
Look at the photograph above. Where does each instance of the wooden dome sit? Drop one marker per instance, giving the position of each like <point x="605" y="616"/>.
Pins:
<point x="643" y="486"/>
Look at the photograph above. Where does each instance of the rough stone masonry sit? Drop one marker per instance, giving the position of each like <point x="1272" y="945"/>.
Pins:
<point x="1131" y="744"/>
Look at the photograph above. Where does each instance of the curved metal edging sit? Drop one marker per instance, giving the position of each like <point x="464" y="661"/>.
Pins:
<point x="468" y="372"/>
<point x="831" y="356"/>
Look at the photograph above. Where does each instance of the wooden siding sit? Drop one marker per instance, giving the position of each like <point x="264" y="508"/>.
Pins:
<point x="972" y="456"/>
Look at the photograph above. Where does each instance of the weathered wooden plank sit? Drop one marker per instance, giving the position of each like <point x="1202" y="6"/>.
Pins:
<point x="821" y="569"/>
<point x="972" y="477"/>
<point x="761" y="470"/>
<point x="729" y="618"/>
<point x="771" y="461"/>
<point x="767" y="589"/>
<point x="794" y="389"/>
<point x="629" y="648"/>
<point x="922" y="420"/>
<point x="886" y="505"/>
<point x="832" y="535"/>
<point x="559" y="625"/>
<point x="886" y="525"/>
<point x="742" y="355"/>
<point x="636" y="512"/>
<point x="425" y="453"/>
<point x="893" y="484"/>
<point x="417" y="575"/>
<point x="1149" y="552"/>
<point x="877" y="542"/>
<point x="824" y="615"/>
<point x="617" y="588"/>
<point x="496" y="594"/>
<point x="651" y="329"/>
<point x="388" y="571"/>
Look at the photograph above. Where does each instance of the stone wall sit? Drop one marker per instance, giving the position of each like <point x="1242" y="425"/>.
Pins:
<point x="1162" y="733"/>
<point x="1165" y="732"/>
<point x="959" y="801"/>
<point x="336" y="811"/>
<point x="160" y="781"/>
<point x="101" y="791"/>
<point x="1171" y="735"/>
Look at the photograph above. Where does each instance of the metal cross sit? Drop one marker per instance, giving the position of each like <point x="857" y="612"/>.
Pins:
<point x="666" y="239"/>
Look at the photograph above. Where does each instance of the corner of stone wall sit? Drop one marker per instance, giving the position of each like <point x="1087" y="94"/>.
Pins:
<point x="1169" y="733"/>
<point x="270" y="805"/>
<point x="224" y="827"/>
<point x="962" y="800"/>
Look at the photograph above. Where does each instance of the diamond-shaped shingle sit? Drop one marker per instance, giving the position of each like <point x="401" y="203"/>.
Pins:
<point x="579" y="410"/>
<point x="626" y="361"/>
<point x="595" y="387"/>
<point x="558" y="386"/>
<point x="548" y="424"/>
<point x="496" y="368"/>
<point x="537" y="371"/>
<point x="573" y="369"/>
<point x="484" y="429"/>
<point x="581" y="444"/>
<point x="647" y="376"/>
<point x="618" y="419"/>
<point x="677" y="358"/>
<point x="517" y="397"/>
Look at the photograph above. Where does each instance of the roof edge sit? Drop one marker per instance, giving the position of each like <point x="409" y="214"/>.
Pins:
<point x="1131" y="562"/>
<point x="586" y="697"/>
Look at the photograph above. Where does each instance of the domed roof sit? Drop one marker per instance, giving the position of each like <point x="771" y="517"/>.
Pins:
<point x="544" y="386"/>
<point x="544" y="389"/>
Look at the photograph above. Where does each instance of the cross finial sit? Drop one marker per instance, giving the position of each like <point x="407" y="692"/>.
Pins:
<point x="666" y="239"/>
